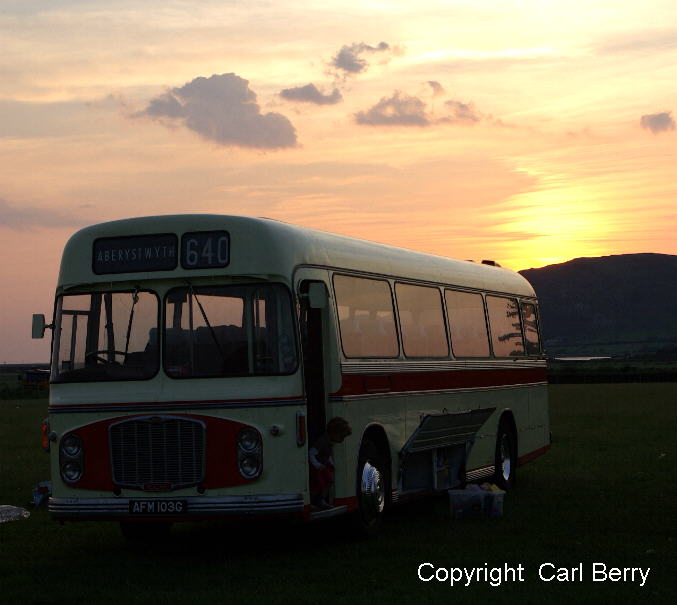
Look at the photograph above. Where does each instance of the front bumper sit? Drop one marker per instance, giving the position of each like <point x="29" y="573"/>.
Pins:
<point x="80" y="509"/>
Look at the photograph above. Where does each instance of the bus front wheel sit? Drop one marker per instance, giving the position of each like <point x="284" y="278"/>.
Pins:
<point x="372" y="488"/>
<point x="506" y="456"/>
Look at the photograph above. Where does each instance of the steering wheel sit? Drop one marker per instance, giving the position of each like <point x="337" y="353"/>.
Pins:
<point x="97" y="356"/>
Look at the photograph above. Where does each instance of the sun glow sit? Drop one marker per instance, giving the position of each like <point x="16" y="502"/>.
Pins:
<point x="553" y="224"/>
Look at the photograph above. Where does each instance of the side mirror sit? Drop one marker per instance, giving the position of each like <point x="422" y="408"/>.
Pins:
<point x="39" y="326"/>
<point x="317" y="295"/>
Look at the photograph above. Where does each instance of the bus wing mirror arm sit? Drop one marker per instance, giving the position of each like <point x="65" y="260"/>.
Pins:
<point x="317" y="295"/>
<point x="39" y="326"/>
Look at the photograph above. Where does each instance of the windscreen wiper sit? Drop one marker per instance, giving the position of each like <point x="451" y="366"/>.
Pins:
<point x="204" y="317"/>
<point x="135" y="299"/>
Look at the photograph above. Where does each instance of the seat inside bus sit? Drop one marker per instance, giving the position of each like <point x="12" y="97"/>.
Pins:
<point x="217" y="351"/>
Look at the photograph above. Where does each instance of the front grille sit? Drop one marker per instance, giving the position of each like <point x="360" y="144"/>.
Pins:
<point x="157" y="452"/>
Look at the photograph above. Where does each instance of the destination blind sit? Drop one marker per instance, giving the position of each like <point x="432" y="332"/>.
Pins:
<point x="160" y="252"/>
<point x="131" y="254"/>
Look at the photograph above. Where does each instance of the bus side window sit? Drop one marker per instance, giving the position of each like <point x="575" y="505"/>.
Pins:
<point x="506" y="326"/>
<point x="468" y="324"/>
<point x="366" y="317"/>
<point x="530" y="324"/>
<point x="421" y="321"/>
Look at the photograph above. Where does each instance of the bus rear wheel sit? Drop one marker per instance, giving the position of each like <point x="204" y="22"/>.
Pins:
<point x="373" y="484"/>
<point x="505" y="457"/>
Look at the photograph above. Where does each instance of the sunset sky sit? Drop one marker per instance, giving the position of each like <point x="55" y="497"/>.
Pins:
<point x="529" y="132"/>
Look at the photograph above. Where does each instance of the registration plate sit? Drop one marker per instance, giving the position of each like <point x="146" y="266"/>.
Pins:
<point x="157" y="507"/>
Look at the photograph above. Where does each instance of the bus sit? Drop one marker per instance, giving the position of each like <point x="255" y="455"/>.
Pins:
<point x="197" y="358"/>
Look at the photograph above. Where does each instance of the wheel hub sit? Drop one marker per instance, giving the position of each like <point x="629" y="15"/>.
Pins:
<point x="506" y="461"/>
<point x="372" y="490"/>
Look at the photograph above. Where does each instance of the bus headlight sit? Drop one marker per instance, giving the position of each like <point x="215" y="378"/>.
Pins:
<point x="249" y="440"/>
<point x="250" y="466"/>
<point x="249" y="452"/>
<point x="71" y="471"/>
<point x="71" y="454"/>
<point x="71" y="445"/>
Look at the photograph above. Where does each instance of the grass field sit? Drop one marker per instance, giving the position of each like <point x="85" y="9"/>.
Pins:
<point x="12" y="388"/>
<point x="604" y="493"/>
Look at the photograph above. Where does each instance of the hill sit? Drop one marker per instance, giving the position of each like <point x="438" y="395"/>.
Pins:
<point x="611" y="305"/>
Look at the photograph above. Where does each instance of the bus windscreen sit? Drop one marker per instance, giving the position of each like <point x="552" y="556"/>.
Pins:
<point x="233" y="330"/>
<point x="103" y="336"/>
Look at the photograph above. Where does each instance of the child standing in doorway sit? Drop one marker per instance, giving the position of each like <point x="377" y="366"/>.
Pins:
<point x="322" y="462"/>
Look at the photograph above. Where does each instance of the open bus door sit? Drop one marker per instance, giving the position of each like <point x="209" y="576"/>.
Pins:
<point x="314" y="305"/>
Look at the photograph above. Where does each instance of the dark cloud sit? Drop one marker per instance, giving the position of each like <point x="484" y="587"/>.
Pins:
<point x="462" y="112"/>
<point x="310" y="94"/>
<point x="349" y="59"/>
<point x="437" y="88"/>
<point x="658" y="122"/>
<point x="405" y="110"/>
<point x="13" y="216"/>
<point x="398" y="110"/>
<point x="223" y="109"/>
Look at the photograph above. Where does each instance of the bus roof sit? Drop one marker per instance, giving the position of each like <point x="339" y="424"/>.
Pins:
<point x="261" y="247"/>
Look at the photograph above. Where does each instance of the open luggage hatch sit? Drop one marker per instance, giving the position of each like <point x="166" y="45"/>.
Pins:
<point x="441" y="444"/>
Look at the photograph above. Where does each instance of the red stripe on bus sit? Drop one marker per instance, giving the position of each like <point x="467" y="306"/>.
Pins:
<point x="174" y="403"/>
<point x="363" y="384"/>
<point x="531" y="455"/>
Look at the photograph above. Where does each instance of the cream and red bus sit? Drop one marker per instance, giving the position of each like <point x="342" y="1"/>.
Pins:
<point x="196" y="357"/>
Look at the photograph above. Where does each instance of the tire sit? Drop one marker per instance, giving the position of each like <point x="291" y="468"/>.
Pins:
<point x="145" y="531"/>
<point x="372" y="489"/>
<point x="506" y="456"/>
